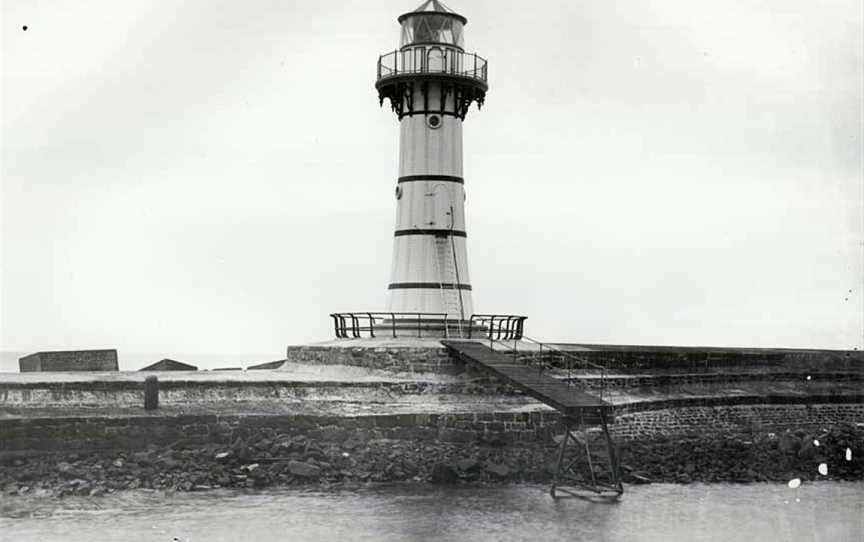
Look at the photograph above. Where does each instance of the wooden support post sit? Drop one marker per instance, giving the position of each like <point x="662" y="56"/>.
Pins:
<point x="613" y="457"/>
<point x="151" y="393"/>
<point x="560" y="458"/>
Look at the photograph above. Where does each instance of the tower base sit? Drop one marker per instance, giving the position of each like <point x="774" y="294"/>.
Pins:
<point x="429" y="328"/>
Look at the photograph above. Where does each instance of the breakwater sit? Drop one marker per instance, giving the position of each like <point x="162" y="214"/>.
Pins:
<point x="343" y="416"/>
<point x="267" y="457"/>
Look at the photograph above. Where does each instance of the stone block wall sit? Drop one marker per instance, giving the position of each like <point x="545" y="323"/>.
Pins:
<point x="695" y="360"/>
<point x="734" y="420"/>
<point x="708" y="379"/>
<point x="277" y="392"/>
<point x="625" y="359"/>
<point x="401" y="359"/>
<point x="139" y="432"/>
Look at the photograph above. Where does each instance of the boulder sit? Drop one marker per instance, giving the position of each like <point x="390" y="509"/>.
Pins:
<point x="468" y="465"/>
<point x="808" y="450"/>
<point x="223" y="457"/>
<point x="789" y="443"/>
<point x="498" y="469"/>
<point x="443" y="473"/>
<point x="304" y="470"/>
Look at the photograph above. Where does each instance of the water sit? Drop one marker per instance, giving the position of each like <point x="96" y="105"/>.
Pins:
<point x="814" y="512"/>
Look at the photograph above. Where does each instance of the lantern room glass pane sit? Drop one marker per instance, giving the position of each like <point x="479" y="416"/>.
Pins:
<point x="432" y="28"/>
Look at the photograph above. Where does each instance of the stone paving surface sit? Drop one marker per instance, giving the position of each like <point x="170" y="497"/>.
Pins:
<point x="291" y="372"/>
<point x="353" y="401"/>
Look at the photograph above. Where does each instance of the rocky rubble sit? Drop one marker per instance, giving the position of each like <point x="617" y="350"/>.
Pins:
<point x="749" y="457"/>
<point x="269" y="459"/>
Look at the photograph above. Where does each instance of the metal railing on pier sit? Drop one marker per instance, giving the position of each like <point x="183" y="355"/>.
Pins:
<point x="499" y="327"/>
<point x="355" y="325"/>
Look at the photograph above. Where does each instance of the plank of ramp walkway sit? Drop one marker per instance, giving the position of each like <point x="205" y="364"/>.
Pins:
<point x="540" y="386"/>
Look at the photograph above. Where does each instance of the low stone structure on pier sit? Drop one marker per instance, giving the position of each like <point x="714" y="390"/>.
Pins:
<point x="70" y="360"/>
<point x="169" y="365"/>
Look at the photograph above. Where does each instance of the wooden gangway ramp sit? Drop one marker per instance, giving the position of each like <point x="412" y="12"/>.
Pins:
<point x="569" y="401"/>
<point x="599" y="473"/>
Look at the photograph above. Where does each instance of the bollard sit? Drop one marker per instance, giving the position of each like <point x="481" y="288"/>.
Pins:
<point x="151" y="393"/>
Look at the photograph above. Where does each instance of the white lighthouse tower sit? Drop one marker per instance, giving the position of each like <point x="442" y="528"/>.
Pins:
<point x="431" y="82"/>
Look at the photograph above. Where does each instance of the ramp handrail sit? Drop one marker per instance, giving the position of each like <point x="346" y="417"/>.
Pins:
<point x="569" y="358"/>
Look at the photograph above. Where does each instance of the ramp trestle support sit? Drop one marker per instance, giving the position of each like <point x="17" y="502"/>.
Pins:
<point x="587" y="469"/>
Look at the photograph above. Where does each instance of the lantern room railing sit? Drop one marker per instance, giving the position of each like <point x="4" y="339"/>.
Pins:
<point x="433" y="60"/>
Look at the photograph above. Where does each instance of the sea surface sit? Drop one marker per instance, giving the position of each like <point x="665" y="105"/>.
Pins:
<point x="826" y="511"/>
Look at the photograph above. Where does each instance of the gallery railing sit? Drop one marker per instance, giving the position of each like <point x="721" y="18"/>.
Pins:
<point x="433" y="60"/>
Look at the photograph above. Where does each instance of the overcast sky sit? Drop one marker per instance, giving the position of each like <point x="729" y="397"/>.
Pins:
<point x="217" y="176"/>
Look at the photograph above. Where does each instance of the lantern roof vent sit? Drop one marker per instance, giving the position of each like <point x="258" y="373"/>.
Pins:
<point x="433" y="7"/>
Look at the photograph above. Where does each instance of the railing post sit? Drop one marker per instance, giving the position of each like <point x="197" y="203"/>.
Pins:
<point x="371" y="325"/>
<point x="393" y="321"/>
<point x="541" y="357"/>
<point x="419" y="330"/>
<point x="151" y="393"/>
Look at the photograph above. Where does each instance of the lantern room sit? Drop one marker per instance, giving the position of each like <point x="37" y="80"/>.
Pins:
<point x="432" y="61"/>
<point x="433" y="23"/>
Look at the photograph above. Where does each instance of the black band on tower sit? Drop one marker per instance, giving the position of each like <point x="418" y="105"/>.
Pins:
<point x="437" y="233"/>
<point x="428" y="286"/>
<point x="442" y="178"/>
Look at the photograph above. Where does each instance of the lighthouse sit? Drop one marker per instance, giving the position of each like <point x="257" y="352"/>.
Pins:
<point x="430" y="82"/>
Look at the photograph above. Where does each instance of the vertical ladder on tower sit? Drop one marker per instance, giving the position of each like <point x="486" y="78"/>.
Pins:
<point x="446" y="264"/>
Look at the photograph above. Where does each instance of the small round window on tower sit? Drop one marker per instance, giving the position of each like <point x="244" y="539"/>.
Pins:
<point x="433" y="121"/>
